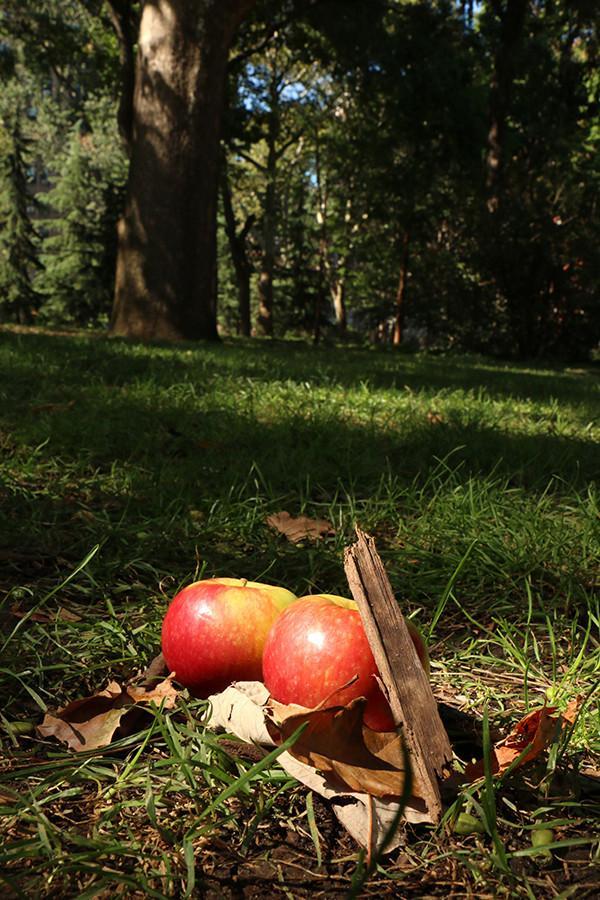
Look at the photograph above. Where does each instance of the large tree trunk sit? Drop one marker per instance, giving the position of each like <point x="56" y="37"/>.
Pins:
<point x="166" y="266"/>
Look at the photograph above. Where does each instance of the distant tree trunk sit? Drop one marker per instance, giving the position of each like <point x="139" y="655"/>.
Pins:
<point x="166" y="266"/>
<point x="300" y="264"/>
<point x="512" y="18"/>
<point x="239" y="255"/>
<point x="338" y="297"/>
<point x="398" y="332"/>
<point x="318" y="306"/>
<point x="267" y="269"/>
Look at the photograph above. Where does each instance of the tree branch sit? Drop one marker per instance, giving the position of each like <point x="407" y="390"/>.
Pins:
<point x="123" y="21"/>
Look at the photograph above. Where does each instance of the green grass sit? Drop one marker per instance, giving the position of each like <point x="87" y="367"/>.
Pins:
<point x="479" y="481"/>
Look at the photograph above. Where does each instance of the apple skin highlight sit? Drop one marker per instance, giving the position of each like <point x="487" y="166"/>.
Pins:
<point x="316" y="647"/>
<point x="215" y="630"/>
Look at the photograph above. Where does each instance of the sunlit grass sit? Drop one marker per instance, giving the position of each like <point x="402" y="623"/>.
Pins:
<point x="478" y="481"/>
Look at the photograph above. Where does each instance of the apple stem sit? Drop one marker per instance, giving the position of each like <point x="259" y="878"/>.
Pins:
<point x="244" y="582"/>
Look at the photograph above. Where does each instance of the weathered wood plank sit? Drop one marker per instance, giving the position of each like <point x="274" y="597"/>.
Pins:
<point x="413" y="705"/>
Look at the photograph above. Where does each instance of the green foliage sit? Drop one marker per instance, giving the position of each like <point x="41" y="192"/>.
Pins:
<point x="19" y="242"/>
<point x="79" y="252"/>
<point x="542" y="251"/>
<point x="353" y="131"/>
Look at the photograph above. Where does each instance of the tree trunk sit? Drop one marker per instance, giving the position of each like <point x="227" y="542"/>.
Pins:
<point x="401" y="292"/>
<point x="265" y="279"/>
<point x="512" y="18"/>
<point x="338" y="297"/>
<point x="239" y="255"/>
<point x="122" y="18"/>
<point x="166" y="266"/>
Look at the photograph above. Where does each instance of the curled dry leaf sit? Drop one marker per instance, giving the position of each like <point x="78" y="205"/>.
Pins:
<point x="533" y="734"/>
<point x="241" y="709"/>
<point x="91" y="723"/>
<point x="336" y="743"/>
<point x="297" y="529"/>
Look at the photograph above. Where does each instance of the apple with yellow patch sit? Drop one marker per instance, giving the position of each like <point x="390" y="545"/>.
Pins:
<point x="215" y="630"/>
<point x="316" y="647"/>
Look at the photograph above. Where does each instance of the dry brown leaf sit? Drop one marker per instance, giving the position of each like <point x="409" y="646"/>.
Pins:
<point x="44" y="617"/>
<point x="336" y="743"/>
<point x="52" y="407"/>
<point x="67" y="616"/>
<point x="241" y="708"/>
<point x="19" y="613"/>
<point x="297" y="529"/>
<point x="572" y="711"/>
<point x="91" y="722"/>
<point x="156" y="670"/>
<point x="534" y="733"/>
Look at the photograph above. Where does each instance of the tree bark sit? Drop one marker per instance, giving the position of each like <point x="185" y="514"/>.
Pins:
<point x="166" y="266"/>
<point x="401" y="292"/>
<point x="123" y="21"/>
<point x="408" y="690"/>
<point x="239" y="254"/>
<point x="338" y="298"/>
<point x="267" y="270"/>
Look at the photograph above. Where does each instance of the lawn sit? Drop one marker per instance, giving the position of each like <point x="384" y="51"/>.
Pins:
<point x="127" y="471"/>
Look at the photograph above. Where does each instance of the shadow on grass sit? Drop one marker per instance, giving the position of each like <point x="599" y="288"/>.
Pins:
<point x="120" y="362"/>
<point x="136" y="456"/>
<point x="124" y="409"/>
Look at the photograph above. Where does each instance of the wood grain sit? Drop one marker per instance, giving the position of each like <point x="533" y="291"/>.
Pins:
<point x="406" y="684"/>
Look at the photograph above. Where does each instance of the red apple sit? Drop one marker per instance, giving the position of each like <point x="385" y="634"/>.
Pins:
<point x="215" y="630"/>
<point x="317" y="646"/>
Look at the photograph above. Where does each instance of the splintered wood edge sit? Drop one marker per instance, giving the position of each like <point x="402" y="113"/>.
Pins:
<point x="413" y="705"/>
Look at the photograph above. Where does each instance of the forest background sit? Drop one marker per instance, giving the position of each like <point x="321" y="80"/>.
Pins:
<point x="423" y="173"/>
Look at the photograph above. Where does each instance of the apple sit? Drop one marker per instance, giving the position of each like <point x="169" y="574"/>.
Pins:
<point x="215" y="630"/>
<point x="316" y="647"/>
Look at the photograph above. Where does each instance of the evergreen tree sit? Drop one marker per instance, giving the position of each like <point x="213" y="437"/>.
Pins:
<point x="19" y="240"/>
<point x="80" y="250"/>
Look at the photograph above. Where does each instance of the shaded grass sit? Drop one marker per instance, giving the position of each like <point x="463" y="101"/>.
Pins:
<point x="479" y="483"/>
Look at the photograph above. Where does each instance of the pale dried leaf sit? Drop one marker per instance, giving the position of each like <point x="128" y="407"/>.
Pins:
<point x="572" y="711"/>
<point x="297" y="529"/>
<point x="242" y="706"/>
<point x="239" y="710"/>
